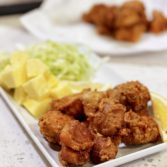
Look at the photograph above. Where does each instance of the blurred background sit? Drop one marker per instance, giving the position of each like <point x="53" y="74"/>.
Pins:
<point x="17" y="6"/>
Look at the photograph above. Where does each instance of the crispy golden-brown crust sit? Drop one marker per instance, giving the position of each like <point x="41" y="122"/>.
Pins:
<point x="127" y="22"/>
<point x="70" y="105"/>
<point x="51" y="124"/>
<point x="71" y="157"/>
<point x="159" y="22"/>
<point x="110" y="117"/>
<point x="131" y="34"/>
<point x="76" y="136"/>
<point x="109" y="121"/>
<point x="91" y="102"/>
<point x="139" y="129"/>
<point x="133" y="95"/>
<point x="96" y="15"/>
<point x="103" y="149"/>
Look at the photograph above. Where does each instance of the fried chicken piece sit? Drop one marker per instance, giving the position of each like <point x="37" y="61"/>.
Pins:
<point x="139" y="129"/>
<point x="131" y="34"/>
<point x="126" y="23"/>
<point x="103" y="150"/>
<point x="134" y="5"/>
<point x="51" y="125"/>
<point x="72" y="157"/>
<point x="70" y="105"/>
<point x="133" y="95"/>
<point x="79" y="105"/>
<point x="127" y="18"/>
<point x="103" y="17"/>
<point x="97" y="14"/>
<point x="109" y="121"/>
<point x="159" y="22"/>
<point x="76" y="136"/>
<point x="91" y="102"/>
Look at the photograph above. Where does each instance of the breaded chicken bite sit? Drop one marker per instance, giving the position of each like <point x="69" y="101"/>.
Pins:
<point x="130" y="34"/>
<point x="51" y="125"/>
<point x="91" y="102"/>
<point x="159" y="22"/>
<point x="70" y="105"/>
<point x="76" y="136"/>
<point x="109" y="121"/>
<point x="133" y="95"/>
<point x="134" y="5"/>
<point x="96" y="15"/>
<point x="71" y="157"/>
<point x="139" y="129"/>
<point x="103" y="150"/>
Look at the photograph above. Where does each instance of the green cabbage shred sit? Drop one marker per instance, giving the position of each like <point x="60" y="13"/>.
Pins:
<point x="65" y="61"/>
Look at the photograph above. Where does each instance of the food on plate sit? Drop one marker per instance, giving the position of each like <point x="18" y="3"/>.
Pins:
<point x="4" y="60"/>
<point x="133" y="95"/>
<point x="139" y="129"/>
<point x="51" y="125"/>
<point x="49" y="70"/>
<point x="103" y="149"/>
<point x="76" y="136"/>
<point x="70" y="157"/>
<point x="90" y="100"/>
<point x="81" y="104"/>
<point x="160" y="111"/>
<point x="14" y="74"/>
<point x="70" y="105"/>
<point x="30" y="81"/>
<point x="159" y="22"/>
<point x="109" y="120"/>
<point x="127" y="22"/>
<point x="98" y="121"/>
<point x="65" y="61"/>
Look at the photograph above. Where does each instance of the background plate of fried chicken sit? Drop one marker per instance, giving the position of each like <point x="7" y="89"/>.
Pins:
<point x="107" y="26"/>
<point x="94" y="128"/>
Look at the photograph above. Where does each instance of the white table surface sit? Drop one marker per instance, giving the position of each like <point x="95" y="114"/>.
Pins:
<point x="16" y="148"/>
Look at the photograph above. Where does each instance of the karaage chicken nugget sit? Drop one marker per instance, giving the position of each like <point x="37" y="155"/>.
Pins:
<point x="130" y="14"/>
<point x="70" y="105"/>
<point x="71" y="157"/>
<point x="134" y="5"/>
<point x="127" y="18"/>
<point x="159" y="22"/>
<point x="103" y="150"/>
<point x="139" y="129"/>
<point x="130" y="34"/>
<point x="91" y="102"/>
<point x="51" y="125"/>
<point x="109" y="121"/>
<point x="133" y="95"/>
<point x="76" y="136"/>
<point x="96" y="15"/>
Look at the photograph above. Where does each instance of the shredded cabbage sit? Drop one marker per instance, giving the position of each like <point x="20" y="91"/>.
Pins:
<point x="65" y="61"/>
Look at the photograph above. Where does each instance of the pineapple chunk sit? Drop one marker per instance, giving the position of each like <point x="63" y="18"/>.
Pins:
<point x="52" y="81"/>
<point x="37" y="107"/>
<point x="13" y="76"/>
<point x="18" y="58"/>
<point x="61" y="90"/>
<point x="35" y="67"/>
<point x="20" y="95"/>
<point x="37" y="87"/>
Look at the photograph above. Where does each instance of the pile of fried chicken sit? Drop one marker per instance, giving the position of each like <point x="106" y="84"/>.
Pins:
<point x="127" y="22"/>
<point x="89" y="126"/>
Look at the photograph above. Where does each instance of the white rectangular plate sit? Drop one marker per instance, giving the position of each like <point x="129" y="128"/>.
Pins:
<point x="125" y="154"/>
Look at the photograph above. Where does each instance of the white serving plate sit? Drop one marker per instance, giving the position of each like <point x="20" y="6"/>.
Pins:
<point x="125" y="154"/>
<point x="54" y="20"/>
